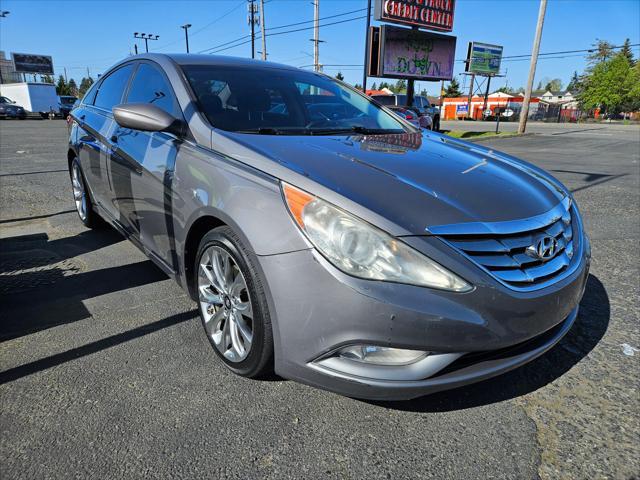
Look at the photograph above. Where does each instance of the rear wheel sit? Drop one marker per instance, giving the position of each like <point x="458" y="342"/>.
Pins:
<point x="82" y="198"/>
<point x="233" y="306"/>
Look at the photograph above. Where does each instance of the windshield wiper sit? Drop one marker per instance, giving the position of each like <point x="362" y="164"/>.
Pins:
<point x="354" y="129"/>
<point x="262" y="131"/>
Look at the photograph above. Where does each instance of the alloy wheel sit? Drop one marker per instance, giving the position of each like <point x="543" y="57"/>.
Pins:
<point x="79" y="192"/>
<point x="225" y="304"/>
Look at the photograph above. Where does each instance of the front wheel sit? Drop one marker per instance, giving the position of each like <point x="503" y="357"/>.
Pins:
<point x="233" y="305"/>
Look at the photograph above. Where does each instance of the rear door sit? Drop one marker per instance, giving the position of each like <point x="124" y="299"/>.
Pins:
<point x="96" y="122"/>
<point x="152" y="156"/>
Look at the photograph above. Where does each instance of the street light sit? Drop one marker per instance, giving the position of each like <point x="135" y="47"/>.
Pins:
<point x="146" y="37"/>
<point x="4" y="13"/>
<point x="186" y="33"/>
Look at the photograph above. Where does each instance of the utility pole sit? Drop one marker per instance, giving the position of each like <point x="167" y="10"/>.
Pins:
<point x="262" y="28"/>
<point x="135" y="47"/>
<point x="65" y="74"/>
<point x="186" y="27"/>
<point x="253" y="20"/>
<point x="366" y="48"/>
<point x="524" y="113"/>
<point x="316" y="35"/>
<point x="470" y="98"/>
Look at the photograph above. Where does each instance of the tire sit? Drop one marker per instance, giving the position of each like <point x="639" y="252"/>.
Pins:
<point x="81" y="194"/>
<point x="217" y="306"/>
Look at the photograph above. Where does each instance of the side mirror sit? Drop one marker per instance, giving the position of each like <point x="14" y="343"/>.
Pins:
<point x="146" y="117"/>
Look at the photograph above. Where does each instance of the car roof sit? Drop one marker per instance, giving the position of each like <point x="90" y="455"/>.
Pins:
<point x="204" y="59"/>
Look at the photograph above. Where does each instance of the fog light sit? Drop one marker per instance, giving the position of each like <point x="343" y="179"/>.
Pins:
<point x="381" y="355"/>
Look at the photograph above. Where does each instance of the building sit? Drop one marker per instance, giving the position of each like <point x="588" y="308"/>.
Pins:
<point x="458" y="107"/>
<point x="554" y="97"/>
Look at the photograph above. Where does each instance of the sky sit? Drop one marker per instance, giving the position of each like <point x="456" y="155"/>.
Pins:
<point x="93" y="35"/>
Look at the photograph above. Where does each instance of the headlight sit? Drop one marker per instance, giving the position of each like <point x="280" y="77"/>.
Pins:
<point x="362" y="250"/>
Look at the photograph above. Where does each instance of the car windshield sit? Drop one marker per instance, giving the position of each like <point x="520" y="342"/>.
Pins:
<point x="5" y="100"/>
<point x="274" y="101"/>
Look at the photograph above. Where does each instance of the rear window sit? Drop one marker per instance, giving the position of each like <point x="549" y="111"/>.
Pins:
<point x="111" y="89"/>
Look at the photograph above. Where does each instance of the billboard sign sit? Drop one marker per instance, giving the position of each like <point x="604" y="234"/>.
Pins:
<point x="415" y="54"/>
<point x="27" y="63"/>
<point x="483" y="59"/>
<point x="462" y="109"/>
<point x="429" y="14"/>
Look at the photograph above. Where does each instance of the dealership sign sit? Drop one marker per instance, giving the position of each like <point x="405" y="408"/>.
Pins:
<point x="414" y="54"/>
<point x="27" y="63"/>
<point x="483" y="59"/>
<point x="429" y="14"/>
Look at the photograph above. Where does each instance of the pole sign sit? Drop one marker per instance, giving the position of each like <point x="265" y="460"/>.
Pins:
<point x="415" y="54"/>
<point x="27" y="63"/>
<point x="462" y="109"/>
<point x="429" y="14"/>
<point x="483" y="59"/>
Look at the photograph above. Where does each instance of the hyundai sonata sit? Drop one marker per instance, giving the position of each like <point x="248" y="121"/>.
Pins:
<point x="322" y="236"/>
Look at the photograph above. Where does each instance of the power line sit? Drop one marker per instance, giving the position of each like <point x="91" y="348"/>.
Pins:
<point x="216" y="47"/>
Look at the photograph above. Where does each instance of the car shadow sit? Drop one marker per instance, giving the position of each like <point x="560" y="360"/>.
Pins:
<point x="589" y="328"/>
<point x="41" y="286"/>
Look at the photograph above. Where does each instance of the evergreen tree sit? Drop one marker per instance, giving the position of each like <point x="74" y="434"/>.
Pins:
<point x="601" y="52"/>
<point x="627" y="52"/>
<point x="374" y="87"/>
<point x="453" y="89"/>
<point x="424" y="92"/>
<point x="61" y="87"/>
<point x="85" y="84"/>
<point x="339" y="76"/>
<point x="72" y="88"/>
<point x="574" y="83"/>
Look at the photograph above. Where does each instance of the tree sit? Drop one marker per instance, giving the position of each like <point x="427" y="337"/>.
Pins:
<point x="424" y="92"/>
<point x="506" y="89"/>
<point x="72" y="88"/>
<point x="554" y="85"/>
<point x="383" y="85"/>
<point x="453" y="89"/>
<point x="357" y="86"/>
<point x="339" y="76"/>
<point x="601" y="52"/>
<point x="62" y="87"/>
<point x="374" y="87"/>
<point x="400" y="86"/>
<point x="574" y="83"/>
<point x="85" y="84"/>
<point x="612" y="85"/>
<point x="627" y="52"/>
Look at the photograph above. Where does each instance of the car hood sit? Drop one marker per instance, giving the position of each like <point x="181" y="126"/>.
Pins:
<point x="415" y="180"/>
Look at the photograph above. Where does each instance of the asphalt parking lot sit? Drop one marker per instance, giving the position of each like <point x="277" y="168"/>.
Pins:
<point x="105" y="371"/>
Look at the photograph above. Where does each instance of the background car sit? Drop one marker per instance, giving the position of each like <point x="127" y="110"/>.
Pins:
<point x="424" y="118"/>
<point x="9" y="109"/>
<point x="419" y="101"/>
<point x="407" y="114"/>
<point x="66" y="104"/>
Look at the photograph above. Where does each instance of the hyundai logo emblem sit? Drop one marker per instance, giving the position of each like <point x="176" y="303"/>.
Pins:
<point x="543" y="249"/>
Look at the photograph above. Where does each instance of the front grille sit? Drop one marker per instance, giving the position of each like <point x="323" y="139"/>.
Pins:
<point x="503" y="251"/>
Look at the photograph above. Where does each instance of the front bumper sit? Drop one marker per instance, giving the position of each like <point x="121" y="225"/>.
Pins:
<point x="316" y="309"/>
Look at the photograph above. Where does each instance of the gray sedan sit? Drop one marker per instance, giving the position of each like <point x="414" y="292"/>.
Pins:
<point x="323" y="237"/>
